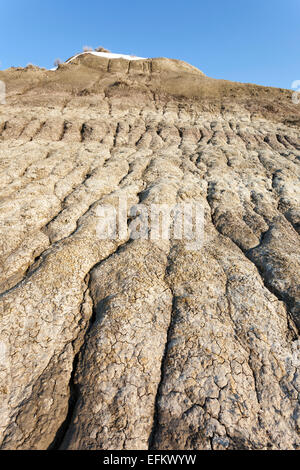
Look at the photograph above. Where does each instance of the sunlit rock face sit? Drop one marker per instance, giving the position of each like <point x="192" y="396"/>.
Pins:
<point x="136" y="343"/>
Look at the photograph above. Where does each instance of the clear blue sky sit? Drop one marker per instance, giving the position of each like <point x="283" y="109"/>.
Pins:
<point x="247" y="40"/>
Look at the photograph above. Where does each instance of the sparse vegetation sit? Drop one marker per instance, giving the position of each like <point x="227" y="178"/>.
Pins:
<point x="101" y="49"/>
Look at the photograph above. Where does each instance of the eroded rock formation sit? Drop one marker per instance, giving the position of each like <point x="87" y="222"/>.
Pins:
<point x="136" y="344"/>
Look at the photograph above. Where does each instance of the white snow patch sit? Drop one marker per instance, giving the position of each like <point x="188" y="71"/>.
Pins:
<point x="106" y="55"/>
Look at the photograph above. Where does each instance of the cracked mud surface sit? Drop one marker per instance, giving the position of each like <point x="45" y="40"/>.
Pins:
<point x="110" y="344"/>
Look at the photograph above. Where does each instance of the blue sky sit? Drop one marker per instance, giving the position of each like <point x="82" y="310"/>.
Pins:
<point x="247" y="41"/>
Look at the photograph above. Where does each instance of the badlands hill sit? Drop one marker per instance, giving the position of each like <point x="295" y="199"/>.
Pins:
<point x="137" y="344"/>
